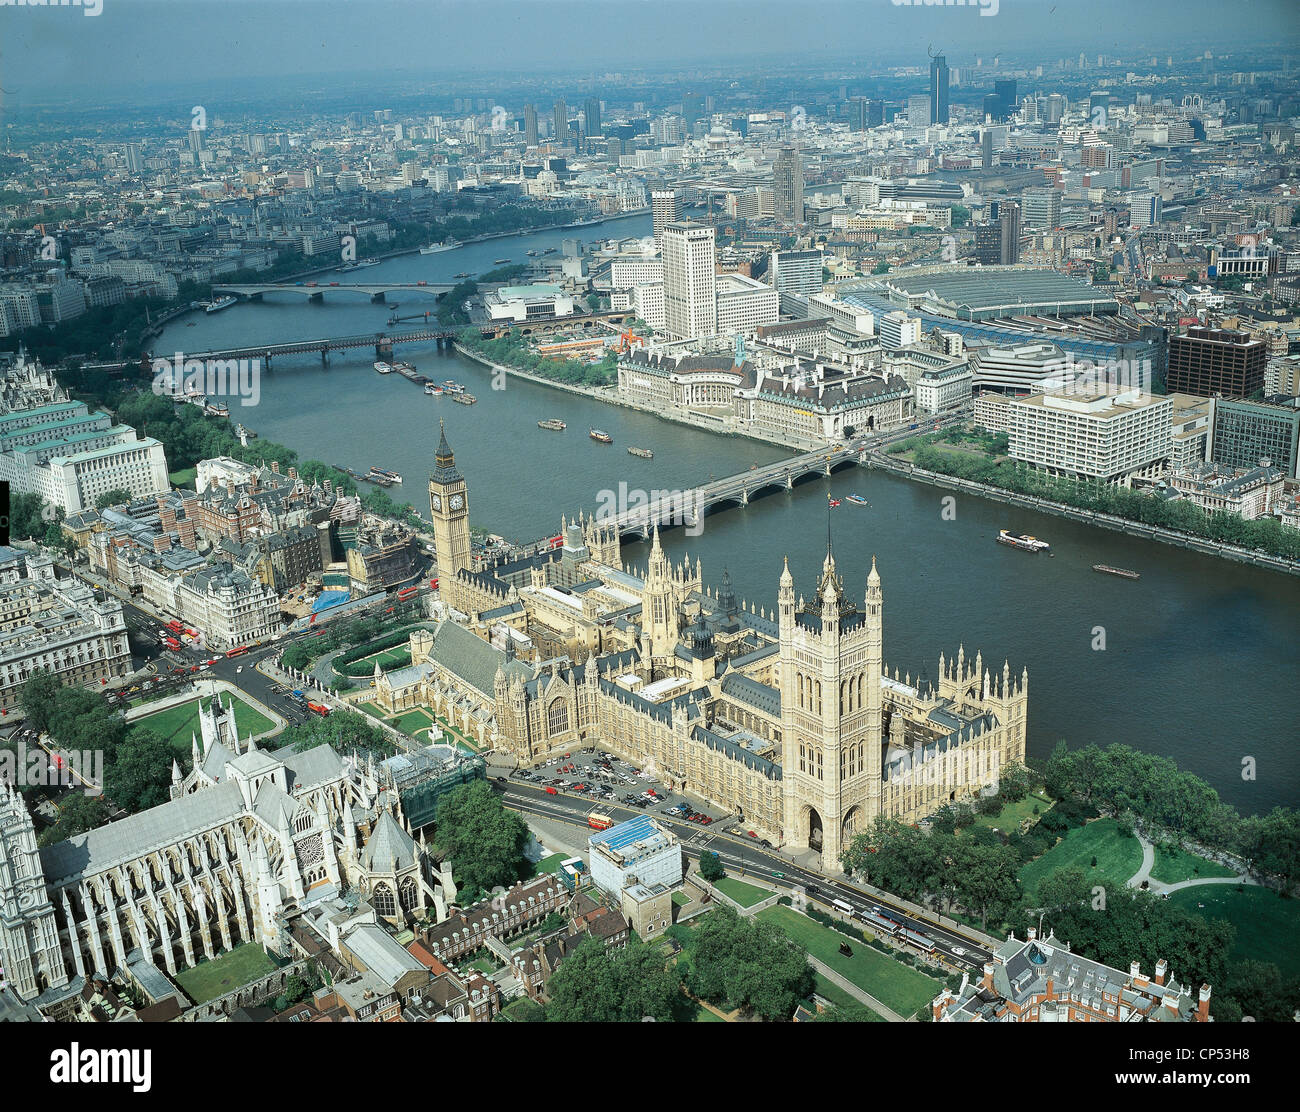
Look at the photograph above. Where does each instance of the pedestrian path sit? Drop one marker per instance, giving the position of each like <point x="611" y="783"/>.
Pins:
<point x="848" y="986"/>
<point x="1161" y="889"/>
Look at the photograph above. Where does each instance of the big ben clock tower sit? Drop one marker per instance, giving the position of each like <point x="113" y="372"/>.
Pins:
<point x="449" y="508"/>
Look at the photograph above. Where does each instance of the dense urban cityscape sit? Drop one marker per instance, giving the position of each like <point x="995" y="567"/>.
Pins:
<point x="318" y="708"/>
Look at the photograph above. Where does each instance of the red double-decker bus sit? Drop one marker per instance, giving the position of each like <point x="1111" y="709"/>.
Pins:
<point x="238" y="650"/>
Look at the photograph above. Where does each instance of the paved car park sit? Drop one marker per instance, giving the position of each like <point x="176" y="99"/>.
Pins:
<point x="601" y="777"/>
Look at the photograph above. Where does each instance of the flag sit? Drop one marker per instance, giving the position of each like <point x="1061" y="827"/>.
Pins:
<point x="834" y="501"/>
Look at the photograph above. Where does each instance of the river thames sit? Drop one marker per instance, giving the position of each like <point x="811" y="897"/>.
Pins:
<point x="1199" y="656"/>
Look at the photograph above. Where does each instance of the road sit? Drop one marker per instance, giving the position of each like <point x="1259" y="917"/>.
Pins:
<point x="744" y="856"/>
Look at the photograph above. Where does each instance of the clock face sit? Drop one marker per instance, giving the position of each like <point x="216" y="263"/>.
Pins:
<point x="437" y="501"/>
<point x="457" y="501"/>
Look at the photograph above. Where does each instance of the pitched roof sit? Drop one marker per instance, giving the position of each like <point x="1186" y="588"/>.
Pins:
<point x="389" y="848"/>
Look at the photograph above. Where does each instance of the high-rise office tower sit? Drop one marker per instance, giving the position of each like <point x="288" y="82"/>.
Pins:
<point x="591" y="110"/>
<point x="858" y="114"/>
<point x="561" y="123"/>
<point x="1041" y="208"/>
<point x="918" y="111"/>
<point x="875" y="113"/>
<point x="692" y="109"/>
<point x="991" y="107"/>
<point x="796" y="272"/>
<point x="690" y="284"/>
<point x="134" y="163"/>
<point x="1056" y="107"/>
<point x="1006" y="94"/>
<point x="787" y="185"/>
<point x="196" y="139"/>
<point x="1009" y="218"/>
<point x="939" y="89"/>
<point x="986" y="149"/>
<point x="1209" y="361"/>
<point x="665" y="208"/>
<point x="988" y="244"/>
<point x="530" y="125"/>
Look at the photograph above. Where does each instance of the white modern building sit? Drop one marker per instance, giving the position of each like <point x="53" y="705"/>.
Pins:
<point x="638" y="848"/>
<point x="744" y="304"/>
<point x="647" y="302"/>
<point x="797" y="272"/>
<point x="525" y="303"/>
<point x="898" y="330"/>
<point x="70" y="456"/>
<point x="842" y="315"/>
<point x="1110" y="438"/>
<point x="637" y="271"/>
<point x="690" y="294"/>
<point x="1016" y="369"/>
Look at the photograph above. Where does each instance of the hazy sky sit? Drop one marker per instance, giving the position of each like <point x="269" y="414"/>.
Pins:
<point x="48" y="53"/>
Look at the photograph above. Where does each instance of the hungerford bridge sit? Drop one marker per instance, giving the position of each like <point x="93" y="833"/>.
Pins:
<point x="315" y="291"/>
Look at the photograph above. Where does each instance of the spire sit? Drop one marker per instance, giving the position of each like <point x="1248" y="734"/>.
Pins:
<point x="787" y="580"/>
<point x="444" y="460"/>
<point x="873" y="576"/>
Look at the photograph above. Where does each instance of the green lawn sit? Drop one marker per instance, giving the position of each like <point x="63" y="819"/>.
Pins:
<point x="177" y="724"/>
<point x="897" y="986"/>
<point x="1012" y="815"/>
<point x="681" y="899"/>
<point x="1118" y="858"/>
<point x="517" y="1010"/>
<point x="210" y="979"/>
<point x="841" y="999"/>
<point x="747" y="895"/>
<point x="414" y="720"/>
<point x="703" y="1015"/>
<point x="396" y="657"/>
<point x="1261" y="916"/>
<point x="1175" y="865"/>
<point x="183" y="477"/>
<point x="551" y="864"/>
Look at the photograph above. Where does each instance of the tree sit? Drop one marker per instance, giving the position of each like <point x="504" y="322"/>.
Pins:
<point x="711" y="868"/>
<point x="594" y="986"/>
<point x="1064" y="887"/>
<point x="113" y="497"/>
<point x="846" y="1013"/>
<point x="1013" y="782"/>
<point x="1138" y="926"/>
<point x="484" y="840"/>
<point x="960" y="216"/>
<point x="140" y="772"/>
<point x="743" y="963"/>
<point x="78" y="813"/>
<point x="38" y="698"/>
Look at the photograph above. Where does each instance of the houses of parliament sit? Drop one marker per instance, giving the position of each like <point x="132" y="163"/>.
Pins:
<point x="790" y="718"/>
